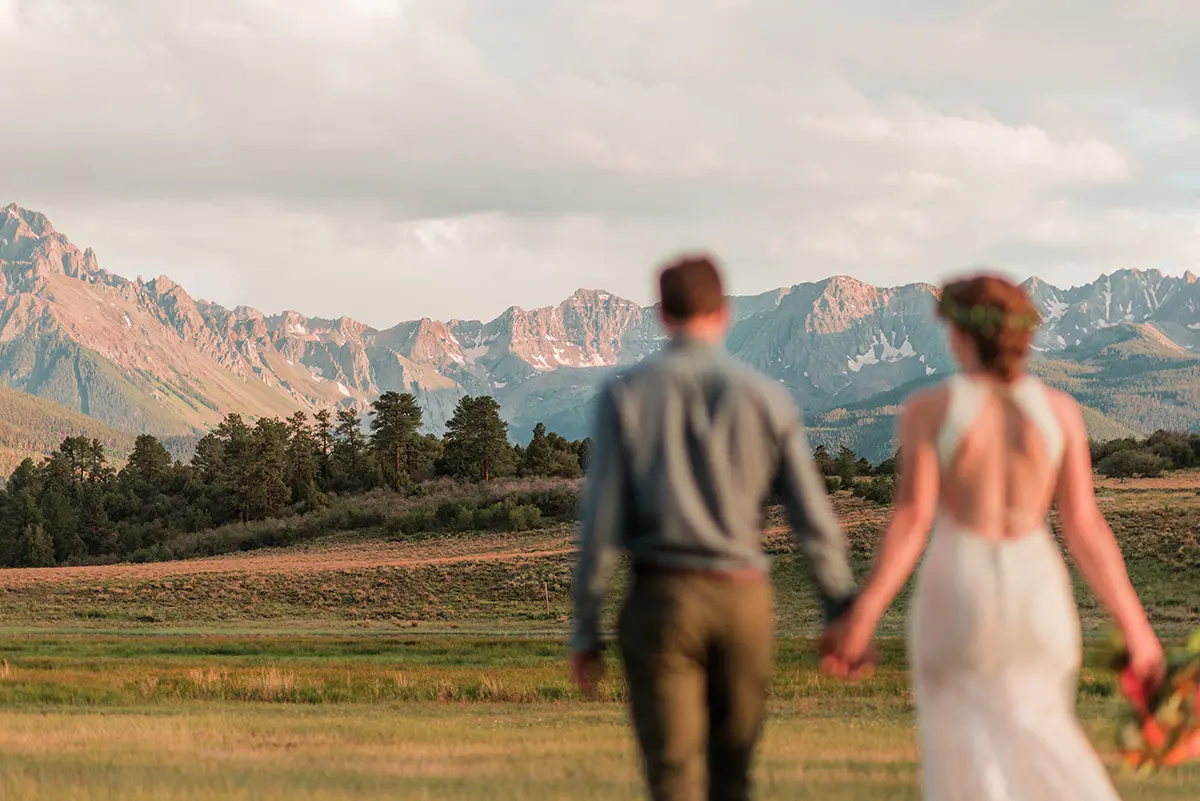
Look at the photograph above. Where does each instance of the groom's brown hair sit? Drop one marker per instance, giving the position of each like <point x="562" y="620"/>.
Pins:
<point x="690" y="287"/>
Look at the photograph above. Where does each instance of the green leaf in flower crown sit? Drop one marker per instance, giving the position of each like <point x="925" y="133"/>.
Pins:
<point x="1193" y="644"/>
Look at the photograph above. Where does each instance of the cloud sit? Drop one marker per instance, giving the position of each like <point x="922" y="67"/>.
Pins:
<point x="402" y="158"/>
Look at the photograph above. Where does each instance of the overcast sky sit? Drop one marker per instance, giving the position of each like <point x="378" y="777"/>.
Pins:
<point x="391" y="159"/>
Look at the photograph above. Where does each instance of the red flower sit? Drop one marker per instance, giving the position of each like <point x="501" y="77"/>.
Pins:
<point x="1163" y="728"/>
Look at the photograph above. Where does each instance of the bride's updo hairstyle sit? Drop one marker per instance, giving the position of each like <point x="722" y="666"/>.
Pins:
<point x="997" y="315"/>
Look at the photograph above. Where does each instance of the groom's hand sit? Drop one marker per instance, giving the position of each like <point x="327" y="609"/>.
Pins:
<point x="587" y="668"/>
<point x="843" y="655"/>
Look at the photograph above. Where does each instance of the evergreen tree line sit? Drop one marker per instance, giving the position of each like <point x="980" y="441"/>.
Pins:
<point x="75" y="507"/>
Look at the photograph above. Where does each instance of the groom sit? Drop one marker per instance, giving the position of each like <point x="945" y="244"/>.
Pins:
<point x="687" y="446"/>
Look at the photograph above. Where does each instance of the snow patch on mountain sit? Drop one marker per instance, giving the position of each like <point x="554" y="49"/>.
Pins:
<point x="889" y="352"/>
<point x="473" y="355"/>
<point x="1055" y="309"/>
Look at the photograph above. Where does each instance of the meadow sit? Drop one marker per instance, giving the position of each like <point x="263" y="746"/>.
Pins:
<point x="368" y="666"/>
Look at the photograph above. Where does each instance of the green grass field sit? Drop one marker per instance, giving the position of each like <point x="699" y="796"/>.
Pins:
<point x="370" y="669"/>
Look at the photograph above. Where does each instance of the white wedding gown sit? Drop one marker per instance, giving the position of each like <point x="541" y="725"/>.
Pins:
<point x="995" y="649"/>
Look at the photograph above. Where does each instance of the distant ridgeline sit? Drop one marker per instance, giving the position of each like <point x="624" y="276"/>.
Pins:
<point x="277" y="482"/>
<point x="110" y="357"/>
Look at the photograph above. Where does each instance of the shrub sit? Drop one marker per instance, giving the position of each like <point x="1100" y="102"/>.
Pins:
<point x="832" y="484"/>
<point x="880" y="490"/>
<point x="524" y="518"/>
<point x="1129" y="463"/>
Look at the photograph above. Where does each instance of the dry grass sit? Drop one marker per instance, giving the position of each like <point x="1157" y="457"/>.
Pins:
<point x="1173" y="481"/>
<point x="104" y="696"/>
<point x="493" y="752"/>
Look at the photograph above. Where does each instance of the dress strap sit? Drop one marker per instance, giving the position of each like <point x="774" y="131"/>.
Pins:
<point x="965" y="399"/>
<point x="1034" y="399"/>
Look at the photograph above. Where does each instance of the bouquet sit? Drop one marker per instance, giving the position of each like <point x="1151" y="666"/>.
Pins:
<point x="1160" y="729"/>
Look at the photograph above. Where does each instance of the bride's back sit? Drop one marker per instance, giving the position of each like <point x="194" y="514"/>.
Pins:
<point x="999" y="439"/>
<point x="999" y="450"/>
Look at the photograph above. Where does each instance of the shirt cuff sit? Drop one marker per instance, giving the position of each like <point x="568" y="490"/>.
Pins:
<point x="835" y="608"/>
<point x="585" y="636"/>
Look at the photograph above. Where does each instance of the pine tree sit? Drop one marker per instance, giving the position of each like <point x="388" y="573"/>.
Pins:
<point x="476" y="443"/>
<point x="268" y="467"/>
<point x="351" y="468"/>
<point x="19" y="512"/>
<point x="323" y="433"/>
<point x="424" y="457"/>
<point x="95" y="527"/>
<point x="35" y="549"/>
<point x="26" y="476"/>
<point x="237" y="464"/>
<point x="847" y="466"/>
<point x="824" y="462"/>
<point x="395" y="420"/>
<point x="539" y="455"/>
<point x="208" y="461"/>
<point x="302" y="460"/>
<point x="147" y="472"/>
<point x="889" y="466"/>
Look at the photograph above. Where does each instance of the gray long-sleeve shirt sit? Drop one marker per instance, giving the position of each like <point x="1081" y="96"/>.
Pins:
<point x="687" y="446"/>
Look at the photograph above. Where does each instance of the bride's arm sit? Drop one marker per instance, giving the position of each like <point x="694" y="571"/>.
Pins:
<point x="1087" y="534"/>
<point x="912" y="514"/>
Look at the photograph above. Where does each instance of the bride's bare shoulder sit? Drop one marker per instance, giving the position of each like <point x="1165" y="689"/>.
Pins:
<point x="930" y="398"/>
<point x="927" y="406"/>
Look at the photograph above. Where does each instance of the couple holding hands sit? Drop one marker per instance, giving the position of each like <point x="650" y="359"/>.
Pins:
<point x="688" y="445"/>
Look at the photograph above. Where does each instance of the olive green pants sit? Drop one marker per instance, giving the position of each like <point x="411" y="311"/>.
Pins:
<point x="697" y="652"/>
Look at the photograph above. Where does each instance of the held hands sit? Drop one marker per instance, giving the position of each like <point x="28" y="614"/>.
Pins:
<point x="587" y="668"/>
<point x="845" y="648"/>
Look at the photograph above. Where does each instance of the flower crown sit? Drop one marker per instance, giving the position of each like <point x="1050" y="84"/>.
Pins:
<point x="987" y="319"/>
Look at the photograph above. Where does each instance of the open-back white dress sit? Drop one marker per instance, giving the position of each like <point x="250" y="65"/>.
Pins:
<point x="995" y="648"/>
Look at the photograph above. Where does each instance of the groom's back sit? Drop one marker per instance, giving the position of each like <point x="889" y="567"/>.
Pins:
<point x="702" y="436"/>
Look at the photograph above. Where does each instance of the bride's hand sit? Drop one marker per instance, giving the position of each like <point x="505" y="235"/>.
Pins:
<point x="846" y="647"/>
<point x="1147" y="665"/>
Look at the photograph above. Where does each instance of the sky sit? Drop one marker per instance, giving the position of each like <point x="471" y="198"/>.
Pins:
<point x="396" y="159"/>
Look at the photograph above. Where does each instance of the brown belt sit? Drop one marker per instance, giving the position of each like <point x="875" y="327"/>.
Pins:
<point x="743" y="575"/>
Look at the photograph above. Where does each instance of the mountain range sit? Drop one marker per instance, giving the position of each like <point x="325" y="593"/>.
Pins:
<point x="144" y="356"/>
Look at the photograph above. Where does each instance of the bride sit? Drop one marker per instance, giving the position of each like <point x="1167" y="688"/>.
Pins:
<point x="994" y="635"/>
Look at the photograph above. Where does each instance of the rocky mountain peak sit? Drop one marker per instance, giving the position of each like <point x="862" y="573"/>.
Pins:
<point x="34" y="223"/>
<point x="594" y="297"/>
<point x="171" y="364"/>
<point x="161" y="286"/>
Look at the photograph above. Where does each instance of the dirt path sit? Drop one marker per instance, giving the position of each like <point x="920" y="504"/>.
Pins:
<point x="321" y="557"/>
